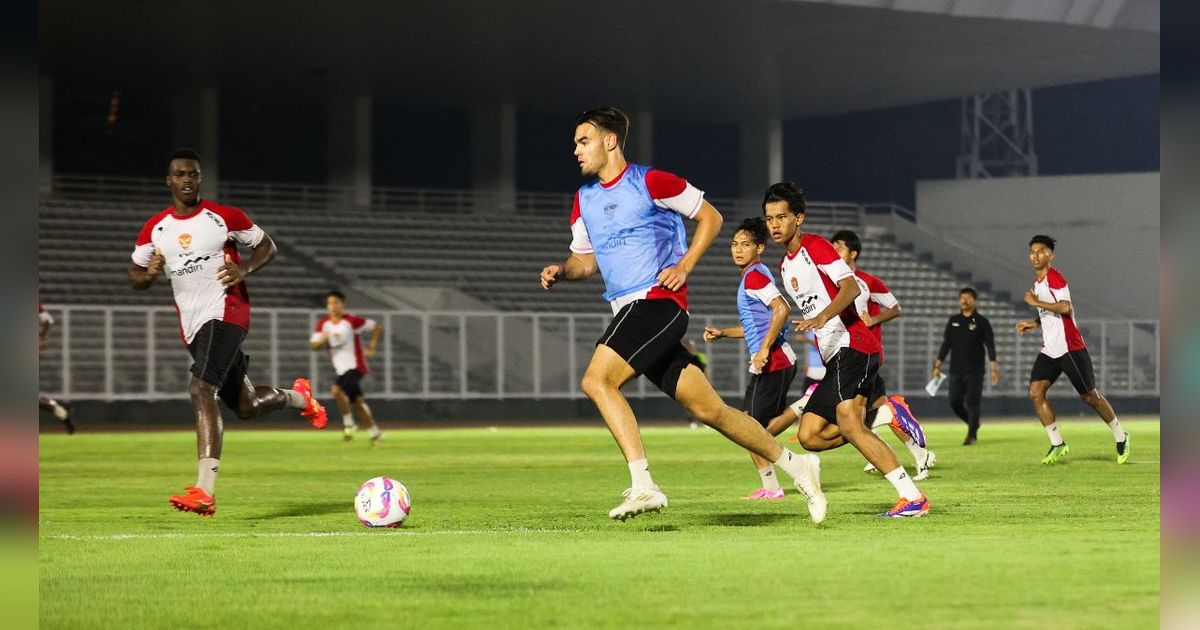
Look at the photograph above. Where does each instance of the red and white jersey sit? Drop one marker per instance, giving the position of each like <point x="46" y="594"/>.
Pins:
<point x="44" y="317"/>
<point x="194" y="248"/>
<point x="1060" y="335"/>
<point x="345" y="346"/>
<point x="873" y="297"/>
<point x="810" y="276"/>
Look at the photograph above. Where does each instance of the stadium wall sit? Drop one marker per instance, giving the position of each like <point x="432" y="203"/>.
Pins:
<point x="1107" y="227"/>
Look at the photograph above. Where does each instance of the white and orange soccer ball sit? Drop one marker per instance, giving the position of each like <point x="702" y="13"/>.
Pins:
<point x="382" y="502"/>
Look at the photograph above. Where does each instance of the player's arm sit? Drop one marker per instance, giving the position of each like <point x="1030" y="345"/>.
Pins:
<point x="141" y="277"/>
<point x="376" y="335"/>
<point x="231" y="273"/>
<point x="779" y="317"/>
<point x="733" y="332"/>
<point x="884" y="315"/>
<point x="1028" y="324"/>
<point x="577" y="267"/>
<point x="708" y="224"/>
<point x="317" y="340"/>
<point x="847" y="291"/>
<point x="1061" y="307"/>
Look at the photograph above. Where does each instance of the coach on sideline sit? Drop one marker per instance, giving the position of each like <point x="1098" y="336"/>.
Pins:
<point x="967" y="334"/>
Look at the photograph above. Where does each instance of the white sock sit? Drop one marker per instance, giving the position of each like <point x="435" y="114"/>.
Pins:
<point x="639" y="471"/>
<point x="60" y="412"/>
<point x="295" y="399"/>
<point x="792" y="464"/>
<point x="1055" y="436"/>
<point x="207" y="477"/>
<point x="883" y="416"/>
<point x="1118" y="432"/>
<point x="375" y="431"/>
<point x="903" y="484"/>
<point x="918" y="453"/>
<point x="348" y="420"/>
<point x="769" y="480"/>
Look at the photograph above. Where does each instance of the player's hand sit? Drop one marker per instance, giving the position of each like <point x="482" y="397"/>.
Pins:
<point x="867" y="319"/>
<point x="1023" y="326"/>
<point x="810" y="324"/>
<point x="230" y="274"/>
<point x="1031" y="298"/>
<point x="156" y="265"/>
<point x="369" y="352"/>
<point x="550" y="274"/>
<point x="672" y="278"/>
<point x="712" y="334"/>
<point x="759" y="360"/>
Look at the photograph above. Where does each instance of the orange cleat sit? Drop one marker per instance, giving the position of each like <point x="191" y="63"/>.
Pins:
<point x="194" y="500"/>
<point x="313" y="410"/>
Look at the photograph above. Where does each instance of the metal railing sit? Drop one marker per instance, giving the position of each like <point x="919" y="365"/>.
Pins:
<point x="114" y="353"/>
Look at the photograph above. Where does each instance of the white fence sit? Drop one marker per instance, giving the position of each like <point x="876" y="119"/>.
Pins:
<point x="134" y="353"/>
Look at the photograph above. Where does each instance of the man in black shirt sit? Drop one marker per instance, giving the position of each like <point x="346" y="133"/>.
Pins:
<point x="966" y="336"/>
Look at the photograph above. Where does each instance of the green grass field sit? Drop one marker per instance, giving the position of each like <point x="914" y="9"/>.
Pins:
<point x="509" y="529"/>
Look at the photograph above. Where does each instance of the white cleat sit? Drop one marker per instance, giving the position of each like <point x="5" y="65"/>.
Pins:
<point x="924" y="466"/>
<point x="348" y="432"/>
<point x="869" y="468"/>
<point x="809" y="485"/>
<point x="639" y="501"/>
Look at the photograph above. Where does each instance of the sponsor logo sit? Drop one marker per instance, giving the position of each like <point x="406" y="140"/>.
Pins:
<point x="216" y="219"/>
<point x="189" y="267"/>
<point x="807" y="305"/>
<point x="185" y="241"/>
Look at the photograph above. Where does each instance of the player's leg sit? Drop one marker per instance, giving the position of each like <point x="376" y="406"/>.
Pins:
<point x="766" y="400"/>
<point x="602" y="381"/>
<point x="851" y="420"/>
<point x="894" y="411"/>
<point x="682" y="379"/>
<point x="353" y="389"/>
<point x="343" y="404"/>
<point x="250" y="401"/>
<point x="1045" y="371"/>
<point x="1078" y="367"/>
<point x="60" y="412"/>
<point x="213" y="351"/>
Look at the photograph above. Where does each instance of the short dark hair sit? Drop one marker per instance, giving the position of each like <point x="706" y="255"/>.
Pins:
<point x="850" y="239"/>
<point x="337" y="294"/>
<point x="1044" y="240"/>
<point x="608" y="119"/>
<point x="785" y="191"/>
<point x="182" y="153"/>
<point x="974" y="295"/>
<point x="756" y="227"/>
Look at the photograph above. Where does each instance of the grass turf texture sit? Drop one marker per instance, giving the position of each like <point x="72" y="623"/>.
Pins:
<point x="509" y="529"/>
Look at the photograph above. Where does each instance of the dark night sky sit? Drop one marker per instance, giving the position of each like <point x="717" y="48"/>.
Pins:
<point x="1106" y="126"/>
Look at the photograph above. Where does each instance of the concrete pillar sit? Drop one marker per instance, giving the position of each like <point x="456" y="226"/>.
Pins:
<point x="639" y="146"/>
<point x="349" y="132"/>
<point x="45" y="134"/>
<point x="760" y="156"/>
<point x="195" y="123"/>
<point x="494" y="154"/>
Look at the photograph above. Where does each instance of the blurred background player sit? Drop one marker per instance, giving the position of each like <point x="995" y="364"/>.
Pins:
<point x="195" y="240"/>
<point x="633" y="215"/>
<point x="875" y="305"/>
<point x="1062" y="351"/>
<point x="340" y="331"/>
<point x="46" y="403"/>
<point x="763" y="313"/>
<point x="968" y="334"/>
<point x="823" y="288"/>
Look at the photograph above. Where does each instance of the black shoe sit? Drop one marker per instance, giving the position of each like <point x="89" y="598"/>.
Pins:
<point x="68" y="424"/>
<point x="969" y="441"/>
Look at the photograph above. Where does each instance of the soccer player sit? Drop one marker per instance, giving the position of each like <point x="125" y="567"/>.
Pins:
<point x="1062" y="351"/>
<point x="763" y="313"/>
<point x="628" y="226"/>
<point x="340" y="331"/>
<point x="195" y="241"/>
<point x="823" y="288"/>
<point x="875" y="305"/>
<point x="46" y="403"/>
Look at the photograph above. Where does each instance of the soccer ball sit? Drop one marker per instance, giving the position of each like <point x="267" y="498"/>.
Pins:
<point x="382" y="502"/>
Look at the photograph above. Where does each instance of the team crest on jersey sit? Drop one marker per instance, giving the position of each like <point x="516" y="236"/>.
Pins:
<point x="185" y="241"/>
<point x="610" y="210"/>
<point x="795" y="284"/>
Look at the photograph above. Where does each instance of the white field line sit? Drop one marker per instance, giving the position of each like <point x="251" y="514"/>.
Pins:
<point x="378" y="532"/>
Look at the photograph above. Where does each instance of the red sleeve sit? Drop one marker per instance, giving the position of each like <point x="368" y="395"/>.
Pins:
<point x="820" y="250"/>
<point x="321" y="323"/>
<point x="756" y="280"/>
<point x="356" y="322"/>
<point x="148" y="229"/>
<point x="664" y="185"/>
<point x="41" y="309"/>
<point x="575" y="209"/>
<point x="875" y="285"/>
<point x="1056" y="280"/>
<point x="235" y="219"/>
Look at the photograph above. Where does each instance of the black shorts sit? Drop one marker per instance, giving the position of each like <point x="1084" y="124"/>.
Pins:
<point x="848" y="374"/>
<point x="217" y="359"/>
<point x="766" y="394"/>
<point x="350" y="382"/>
<point x="1077" y="364"/>
<point x="810" y="381"/>
<point x="648" y="335"/>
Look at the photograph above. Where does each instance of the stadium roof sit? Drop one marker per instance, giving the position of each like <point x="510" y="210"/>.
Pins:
<point x="701" y="60"/>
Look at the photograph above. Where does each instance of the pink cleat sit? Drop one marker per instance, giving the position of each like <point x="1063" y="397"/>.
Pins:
<point x="763" y="493"/>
